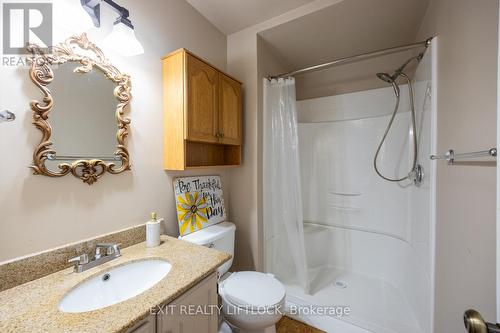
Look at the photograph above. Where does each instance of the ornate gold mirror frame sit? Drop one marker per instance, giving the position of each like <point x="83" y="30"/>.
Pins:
<point x="41" y="73"/>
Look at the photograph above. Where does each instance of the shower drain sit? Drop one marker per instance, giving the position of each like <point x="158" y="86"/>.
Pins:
<point x="340" y="284"/>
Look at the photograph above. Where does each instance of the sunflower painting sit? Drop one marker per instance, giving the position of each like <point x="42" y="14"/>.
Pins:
<point x="191" y="211"/>
<point x="199" y="201"/>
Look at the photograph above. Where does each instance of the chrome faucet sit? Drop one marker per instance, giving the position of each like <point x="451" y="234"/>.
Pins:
<point x="104" y="252"/>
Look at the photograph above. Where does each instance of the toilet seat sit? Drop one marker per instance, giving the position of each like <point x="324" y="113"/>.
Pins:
<point x="252" y="290"/>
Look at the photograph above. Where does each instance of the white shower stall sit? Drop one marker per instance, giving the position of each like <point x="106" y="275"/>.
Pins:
<point x="369" y="243"/>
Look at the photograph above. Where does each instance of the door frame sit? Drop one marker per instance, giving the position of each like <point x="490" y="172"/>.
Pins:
<point x="498" y="183"/>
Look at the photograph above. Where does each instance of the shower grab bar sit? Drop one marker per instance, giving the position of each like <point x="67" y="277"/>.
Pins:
<point x="451" y="156"/>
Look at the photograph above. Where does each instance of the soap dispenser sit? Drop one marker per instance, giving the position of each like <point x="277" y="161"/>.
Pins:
<point x="153" y="231"/>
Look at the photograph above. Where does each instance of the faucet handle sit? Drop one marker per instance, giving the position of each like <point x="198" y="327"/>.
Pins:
<point x="80" y="260"/>
<point x="111" y="248"/>
<point x="98" y="253"/>
<point x="116" y="248"/>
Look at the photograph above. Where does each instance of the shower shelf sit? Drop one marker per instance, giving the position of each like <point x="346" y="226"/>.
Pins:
<point x="336" y="226"/>
<point x="347" y="209"/>
<point x="347" y="194"/>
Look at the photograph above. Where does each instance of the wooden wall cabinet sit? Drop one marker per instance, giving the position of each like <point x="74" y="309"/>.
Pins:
<point x="202" y="114"/>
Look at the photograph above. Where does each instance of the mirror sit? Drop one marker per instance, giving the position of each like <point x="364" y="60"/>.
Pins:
<point x="81" y="113"/>
<point x="83" y="118"/>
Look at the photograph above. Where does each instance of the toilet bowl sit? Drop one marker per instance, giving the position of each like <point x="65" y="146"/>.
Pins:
<point x="252" y="302"/>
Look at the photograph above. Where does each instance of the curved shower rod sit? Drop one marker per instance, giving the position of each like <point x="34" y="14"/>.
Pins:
<point x="355" y="58"/>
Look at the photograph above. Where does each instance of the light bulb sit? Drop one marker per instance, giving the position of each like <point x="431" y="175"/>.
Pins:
<point x="122" y="40"/>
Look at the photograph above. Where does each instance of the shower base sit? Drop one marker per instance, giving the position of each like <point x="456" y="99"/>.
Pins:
<point x="375" y="305"/>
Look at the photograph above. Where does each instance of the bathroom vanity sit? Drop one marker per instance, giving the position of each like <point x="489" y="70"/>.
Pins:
<point x="181" y="316"/>
<point x="171" y="305"/>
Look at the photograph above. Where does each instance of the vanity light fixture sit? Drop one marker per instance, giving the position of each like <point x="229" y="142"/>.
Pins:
<point x="122" y="39"/>
<point x="77" y="21"/>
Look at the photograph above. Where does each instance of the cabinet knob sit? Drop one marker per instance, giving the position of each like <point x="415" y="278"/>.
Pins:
<point x="222" y="135"/>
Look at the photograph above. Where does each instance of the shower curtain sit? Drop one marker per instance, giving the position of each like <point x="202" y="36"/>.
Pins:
<point x="283" y="218"/>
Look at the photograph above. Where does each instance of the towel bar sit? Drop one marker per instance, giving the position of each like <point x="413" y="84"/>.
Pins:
<point x="451" y="156"/>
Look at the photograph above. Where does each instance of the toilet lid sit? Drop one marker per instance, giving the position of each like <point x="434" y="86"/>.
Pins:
<point x="253" y="289"/>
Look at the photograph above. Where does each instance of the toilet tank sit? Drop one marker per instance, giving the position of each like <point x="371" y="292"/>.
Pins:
<point x="219" y="236"/>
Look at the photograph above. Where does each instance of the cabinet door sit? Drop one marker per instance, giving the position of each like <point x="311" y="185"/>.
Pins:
<point x="229" y="110"/>
<point x="194" y="312"/>
<point x="148" y="325"/>
<point x="202" y="101"/>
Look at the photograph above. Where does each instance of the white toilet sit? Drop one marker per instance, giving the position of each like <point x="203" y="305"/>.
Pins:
<point x="251" y="301"/>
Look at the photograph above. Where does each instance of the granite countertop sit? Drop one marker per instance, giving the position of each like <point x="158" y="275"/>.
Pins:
<point x="33" y="307"/>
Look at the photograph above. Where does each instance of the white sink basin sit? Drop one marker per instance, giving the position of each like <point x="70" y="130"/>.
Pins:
<point x="114" y="286"/>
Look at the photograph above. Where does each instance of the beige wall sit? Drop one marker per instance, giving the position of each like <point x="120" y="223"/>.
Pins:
<point x="251" y="60"/>
<point x="245" y="211"/>
<point x="38" y="212"/>
<point x="243" y="181"/>
<point x="466" y="196"/>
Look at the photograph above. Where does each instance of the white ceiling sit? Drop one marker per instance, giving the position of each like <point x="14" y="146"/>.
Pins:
<point x="344" y="29"/>
<point x="347" y="28"/>
<point x="230" y="16"/>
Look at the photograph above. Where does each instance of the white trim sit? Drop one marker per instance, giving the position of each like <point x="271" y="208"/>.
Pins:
<point x="433" y="173"/>
<point x="498" y="185"/>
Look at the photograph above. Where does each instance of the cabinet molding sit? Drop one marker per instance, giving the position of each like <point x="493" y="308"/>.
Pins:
<point x="202" y="109"/>
<point x="202" y="101"/>
<point x="229" y="110"/>
<point x="147" y="325"/>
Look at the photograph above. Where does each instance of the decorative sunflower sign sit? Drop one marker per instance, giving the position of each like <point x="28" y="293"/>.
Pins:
<point x="199" y="202"/>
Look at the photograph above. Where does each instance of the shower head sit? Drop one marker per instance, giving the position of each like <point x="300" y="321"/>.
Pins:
<point x="385" y="77"/>
<point x="398" y="72"/>
<point x="391" y="80"/>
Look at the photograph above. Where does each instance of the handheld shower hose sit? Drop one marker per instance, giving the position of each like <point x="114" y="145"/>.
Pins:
<point x="416" y="172"/>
